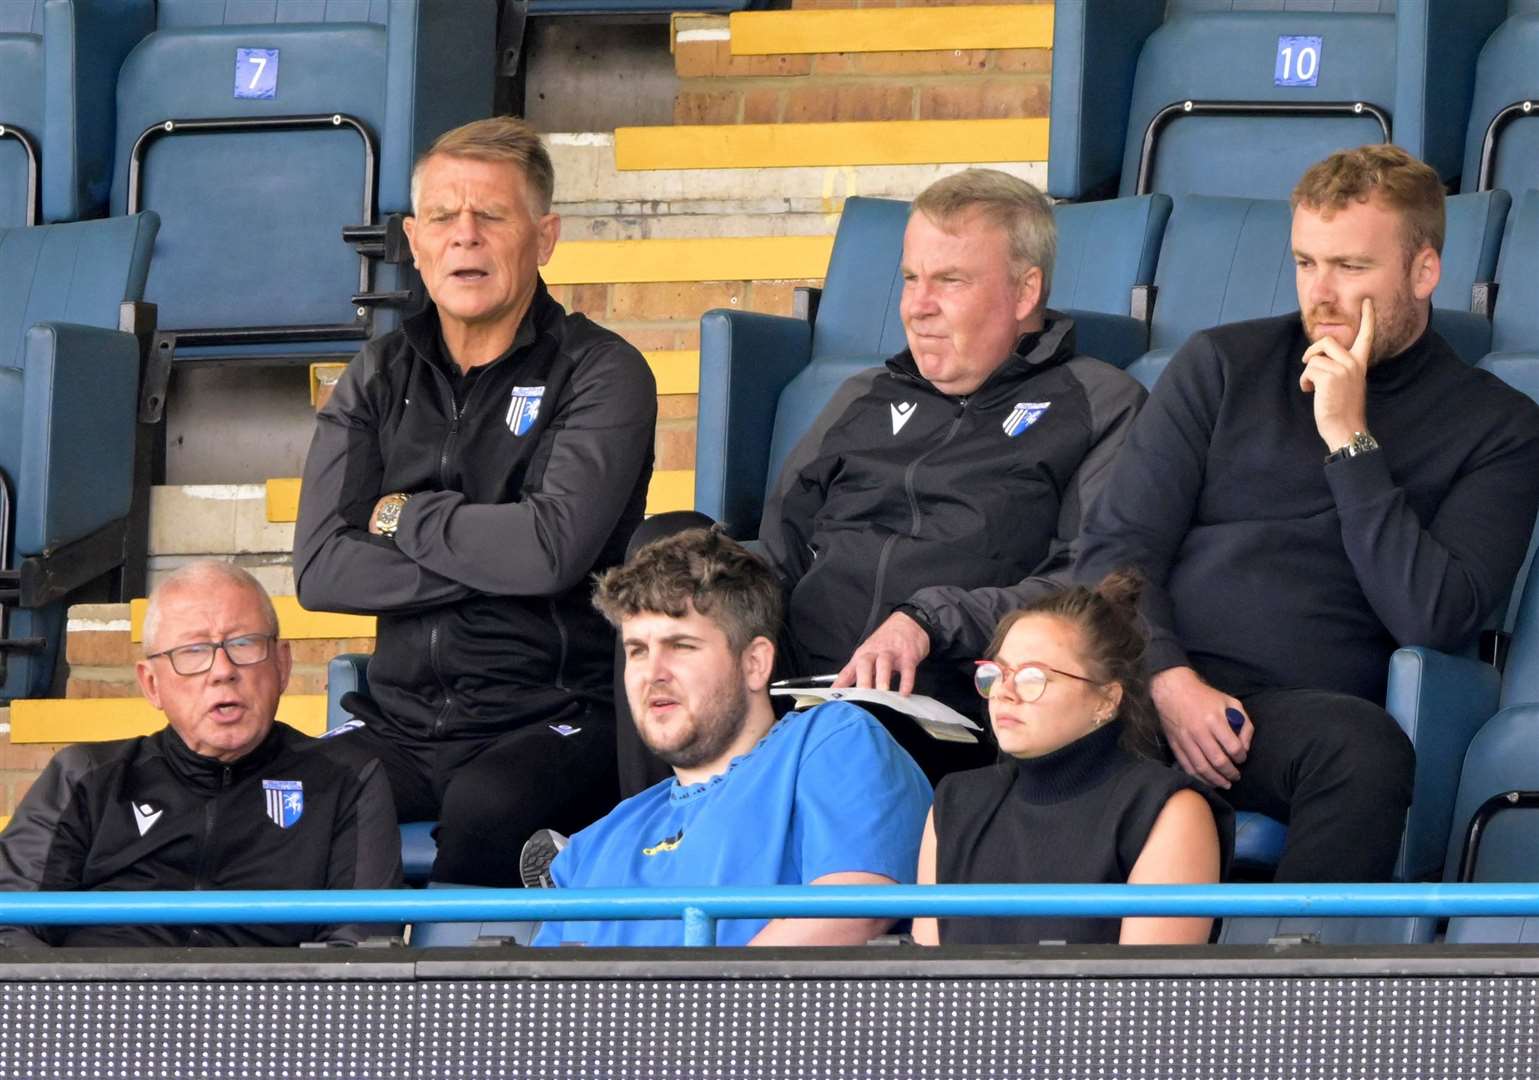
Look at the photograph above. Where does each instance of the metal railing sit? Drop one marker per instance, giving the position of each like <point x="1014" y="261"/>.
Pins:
<point x="700" y="909"/>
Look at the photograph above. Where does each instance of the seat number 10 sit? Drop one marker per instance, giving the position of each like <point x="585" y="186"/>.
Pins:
<point x="1298" y="61"/>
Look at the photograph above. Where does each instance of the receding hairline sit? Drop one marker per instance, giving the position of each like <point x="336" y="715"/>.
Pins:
<point x="203" y="571"/>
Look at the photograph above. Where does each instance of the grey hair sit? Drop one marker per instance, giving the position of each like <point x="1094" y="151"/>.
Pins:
<point x="497" y="138"/>
<point x="199" y="572"/>
<point x="1008" y="202"/>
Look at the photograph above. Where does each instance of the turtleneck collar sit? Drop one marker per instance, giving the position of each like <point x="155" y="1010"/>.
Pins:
<point x="210" y="774"/>
<point x="1389" y="375"/>
<point x="1070" y="770"/>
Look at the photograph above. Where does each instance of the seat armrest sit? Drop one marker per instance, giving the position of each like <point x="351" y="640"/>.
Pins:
<point x="80" y="407"/>
<point x="746" y="360"/>
<point x="1440" y="701"/>
<point x="346" y="673"/>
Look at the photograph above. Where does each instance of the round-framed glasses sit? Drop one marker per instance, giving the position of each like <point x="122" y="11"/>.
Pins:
<point x="1028" y="680"/>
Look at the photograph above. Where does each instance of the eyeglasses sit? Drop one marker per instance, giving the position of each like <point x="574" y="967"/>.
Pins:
<point x="198" y="657"/>
<point x="1028" y="680"/>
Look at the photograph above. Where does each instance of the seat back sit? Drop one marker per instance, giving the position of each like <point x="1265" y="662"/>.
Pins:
<point x="21" y="108"/>
<point x="1503" y="756"/>
<point x="253" y="200"/>
<point x="1105" y="250"/>
<point x="1515" y="318"/>
<point x="1243" y="57"/>
<point x="1505" y="76"/>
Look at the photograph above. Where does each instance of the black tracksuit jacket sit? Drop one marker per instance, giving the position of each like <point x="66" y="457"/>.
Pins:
<point x="901" y="496"/>
<point x="148" y="814"/>
<point x="522" y="489"/>
<point x="1269" y="569"/>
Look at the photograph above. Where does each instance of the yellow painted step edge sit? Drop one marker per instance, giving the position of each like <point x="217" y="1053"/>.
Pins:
<point x="672" y="489"/>
<point x="294" y="622"/>
<point x="749" y="258"/>
<point x="677" y="370"/>
<point x="1000" y="26"/>
<point x="876" y="142"/>
<point x="74" y="720"/>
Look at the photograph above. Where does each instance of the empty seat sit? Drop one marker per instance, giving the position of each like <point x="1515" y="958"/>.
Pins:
<point x="68" y="381"/>
<point x="1238" y="97"/>
<point x="1501" y="138"/>
<point x="58" y="73"/>
<point x="260" y="129"/>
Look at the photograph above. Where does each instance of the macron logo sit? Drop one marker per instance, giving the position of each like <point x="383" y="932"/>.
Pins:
<point x="145" y="816"/>
<point x="901" y="414"/>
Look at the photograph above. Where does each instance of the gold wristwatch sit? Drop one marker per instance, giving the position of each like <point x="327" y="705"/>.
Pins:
<point x="388" y="517"/>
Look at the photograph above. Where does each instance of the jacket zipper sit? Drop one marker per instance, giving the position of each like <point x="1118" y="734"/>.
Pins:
<point x="555" y="617"/>
<point x="210" y="818"/>
<point x="915" y="516"/>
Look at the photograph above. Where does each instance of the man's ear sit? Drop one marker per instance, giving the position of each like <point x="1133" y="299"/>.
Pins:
<point x="549" y="228"/>
<point x="1426" y="272"/>
<point x="409" y="227"/>
<point x="149" y="683"/>
<point x="758" y="663"/>
<point x="1028" y="296"/>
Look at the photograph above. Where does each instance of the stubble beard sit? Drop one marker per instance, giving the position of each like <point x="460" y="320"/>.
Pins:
<point x="714" y="729"/>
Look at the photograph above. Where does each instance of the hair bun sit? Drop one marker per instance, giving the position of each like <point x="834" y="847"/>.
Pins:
<point x="1122" y="589"/>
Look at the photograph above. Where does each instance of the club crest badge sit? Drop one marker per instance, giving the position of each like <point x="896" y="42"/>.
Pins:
<point x="285" y="801"/>
<point x="524" y="409"/>
<point x="1024" y="415"/>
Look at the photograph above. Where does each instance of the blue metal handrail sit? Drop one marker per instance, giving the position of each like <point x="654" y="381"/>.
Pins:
<point x="701" y="908"/>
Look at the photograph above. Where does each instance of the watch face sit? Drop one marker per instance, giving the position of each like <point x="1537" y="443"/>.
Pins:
<point x="389" y="516"/>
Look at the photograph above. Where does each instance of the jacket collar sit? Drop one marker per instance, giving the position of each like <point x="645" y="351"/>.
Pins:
<point x="1034" y="352"/>
<point x="425" y="335"/>
<point x="210" y="774"/>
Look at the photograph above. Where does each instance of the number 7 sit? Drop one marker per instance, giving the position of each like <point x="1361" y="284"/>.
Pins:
<point x="261" y="65"/>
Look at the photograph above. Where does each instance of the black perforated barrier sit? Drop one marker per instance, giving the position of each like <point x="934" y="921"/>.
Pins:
<point x="879" y="1013"/>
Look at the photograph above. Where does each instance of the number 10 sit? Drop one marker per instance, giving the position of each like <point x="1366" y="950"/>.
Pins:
<point x="1308" y="65"/>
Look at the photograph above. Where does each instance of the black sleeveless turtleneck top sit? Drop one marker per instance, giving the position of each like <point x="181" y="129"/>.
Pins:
<point x="1079" y="815"/>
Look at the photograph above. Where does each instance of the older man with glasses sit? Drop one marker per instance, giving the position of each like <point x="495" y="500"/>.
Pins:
<point x="224" y="797"/>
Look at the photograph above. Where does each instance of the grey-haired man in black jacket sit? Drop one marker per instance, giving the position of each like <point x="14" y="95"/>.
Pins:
<point x="468" y="476"/>
<point x="223" y="797"/>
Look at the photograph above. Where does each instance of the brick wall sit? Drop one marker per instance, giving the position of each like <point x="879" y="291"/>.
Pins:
<point x="719" y="88"/>
<point x="667" y="316"/>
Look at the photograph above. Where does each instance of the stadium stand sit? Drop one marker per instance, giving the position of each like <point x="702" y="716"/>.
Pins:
<point x="1279" y="85"/>
<point x="256" y="183"/>
<point x="1501" y="149"/>
<point x="66" y="369"/>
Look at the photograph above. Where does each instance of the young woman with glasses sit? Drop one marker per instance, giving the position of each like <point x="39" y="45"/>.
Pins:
<point x="1081" y="799"/>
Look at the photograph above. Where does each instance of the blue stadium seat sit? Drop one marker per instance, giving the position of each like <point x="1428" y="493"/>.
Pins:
<point x="349" y="672"/>
<point x="1207" y="97"/>
<point x="1501" y="140"/>
<point x="1105" y="252"/>
<point x="260" y="129"/>
<point x="59" y="64"/>
<point x="68" y="382"/>
<point x="1226" y="260"/>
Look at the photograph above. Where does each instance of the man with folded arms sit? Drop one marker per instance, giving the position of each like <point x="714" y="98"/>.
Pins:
<point x="1304" y="494"/>
<point x="223" y="797"/>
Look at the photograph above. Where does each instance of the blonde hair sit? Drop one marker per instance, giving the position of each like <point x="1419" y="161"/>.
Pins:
<point x="498" y="138"/>
<point x="1407" y="186"/>
<point x="1005" y="201"/>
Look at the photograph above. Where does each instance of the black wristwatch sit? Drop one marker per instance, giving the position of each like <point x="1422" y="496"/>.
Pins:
<point x="1360" y="443"/>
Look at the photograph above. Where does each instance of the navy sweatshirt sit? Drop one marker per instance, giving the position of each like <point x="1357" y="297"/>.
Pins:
<point x="1269" y="568"/>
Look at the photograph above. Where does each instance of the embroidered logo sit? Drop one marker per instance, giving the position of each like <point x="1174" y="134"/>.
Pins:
<point x="524" y="409"/>
<point x="669" y="844"/>
<point x="1024" y="415"/>
<point x="564" y="729"/>
<point x="145" y="816"/>
<point x="901" y="413"/>
<point x="285" y="801"/>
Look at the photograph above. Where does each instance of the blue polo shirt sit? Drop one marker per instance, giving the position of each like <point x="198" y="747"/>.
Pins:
<point x="825" y="791"/>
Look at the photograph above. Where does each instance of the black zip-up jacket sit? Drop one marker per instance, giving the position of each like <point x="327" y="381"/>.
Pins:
<point x="148" y="814"/>
<point x="519" y="493"/>
<point x="1270" y="569"/>
<point x="954" y="509"/>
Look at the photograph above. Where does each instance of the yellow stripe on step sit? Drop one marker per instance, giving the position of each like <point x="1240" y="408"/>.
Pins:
<point x="73" y="720"/>
<point x="747" y="258"/>
<point x="294" y="622"/>
<point x="991" y="26"/>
